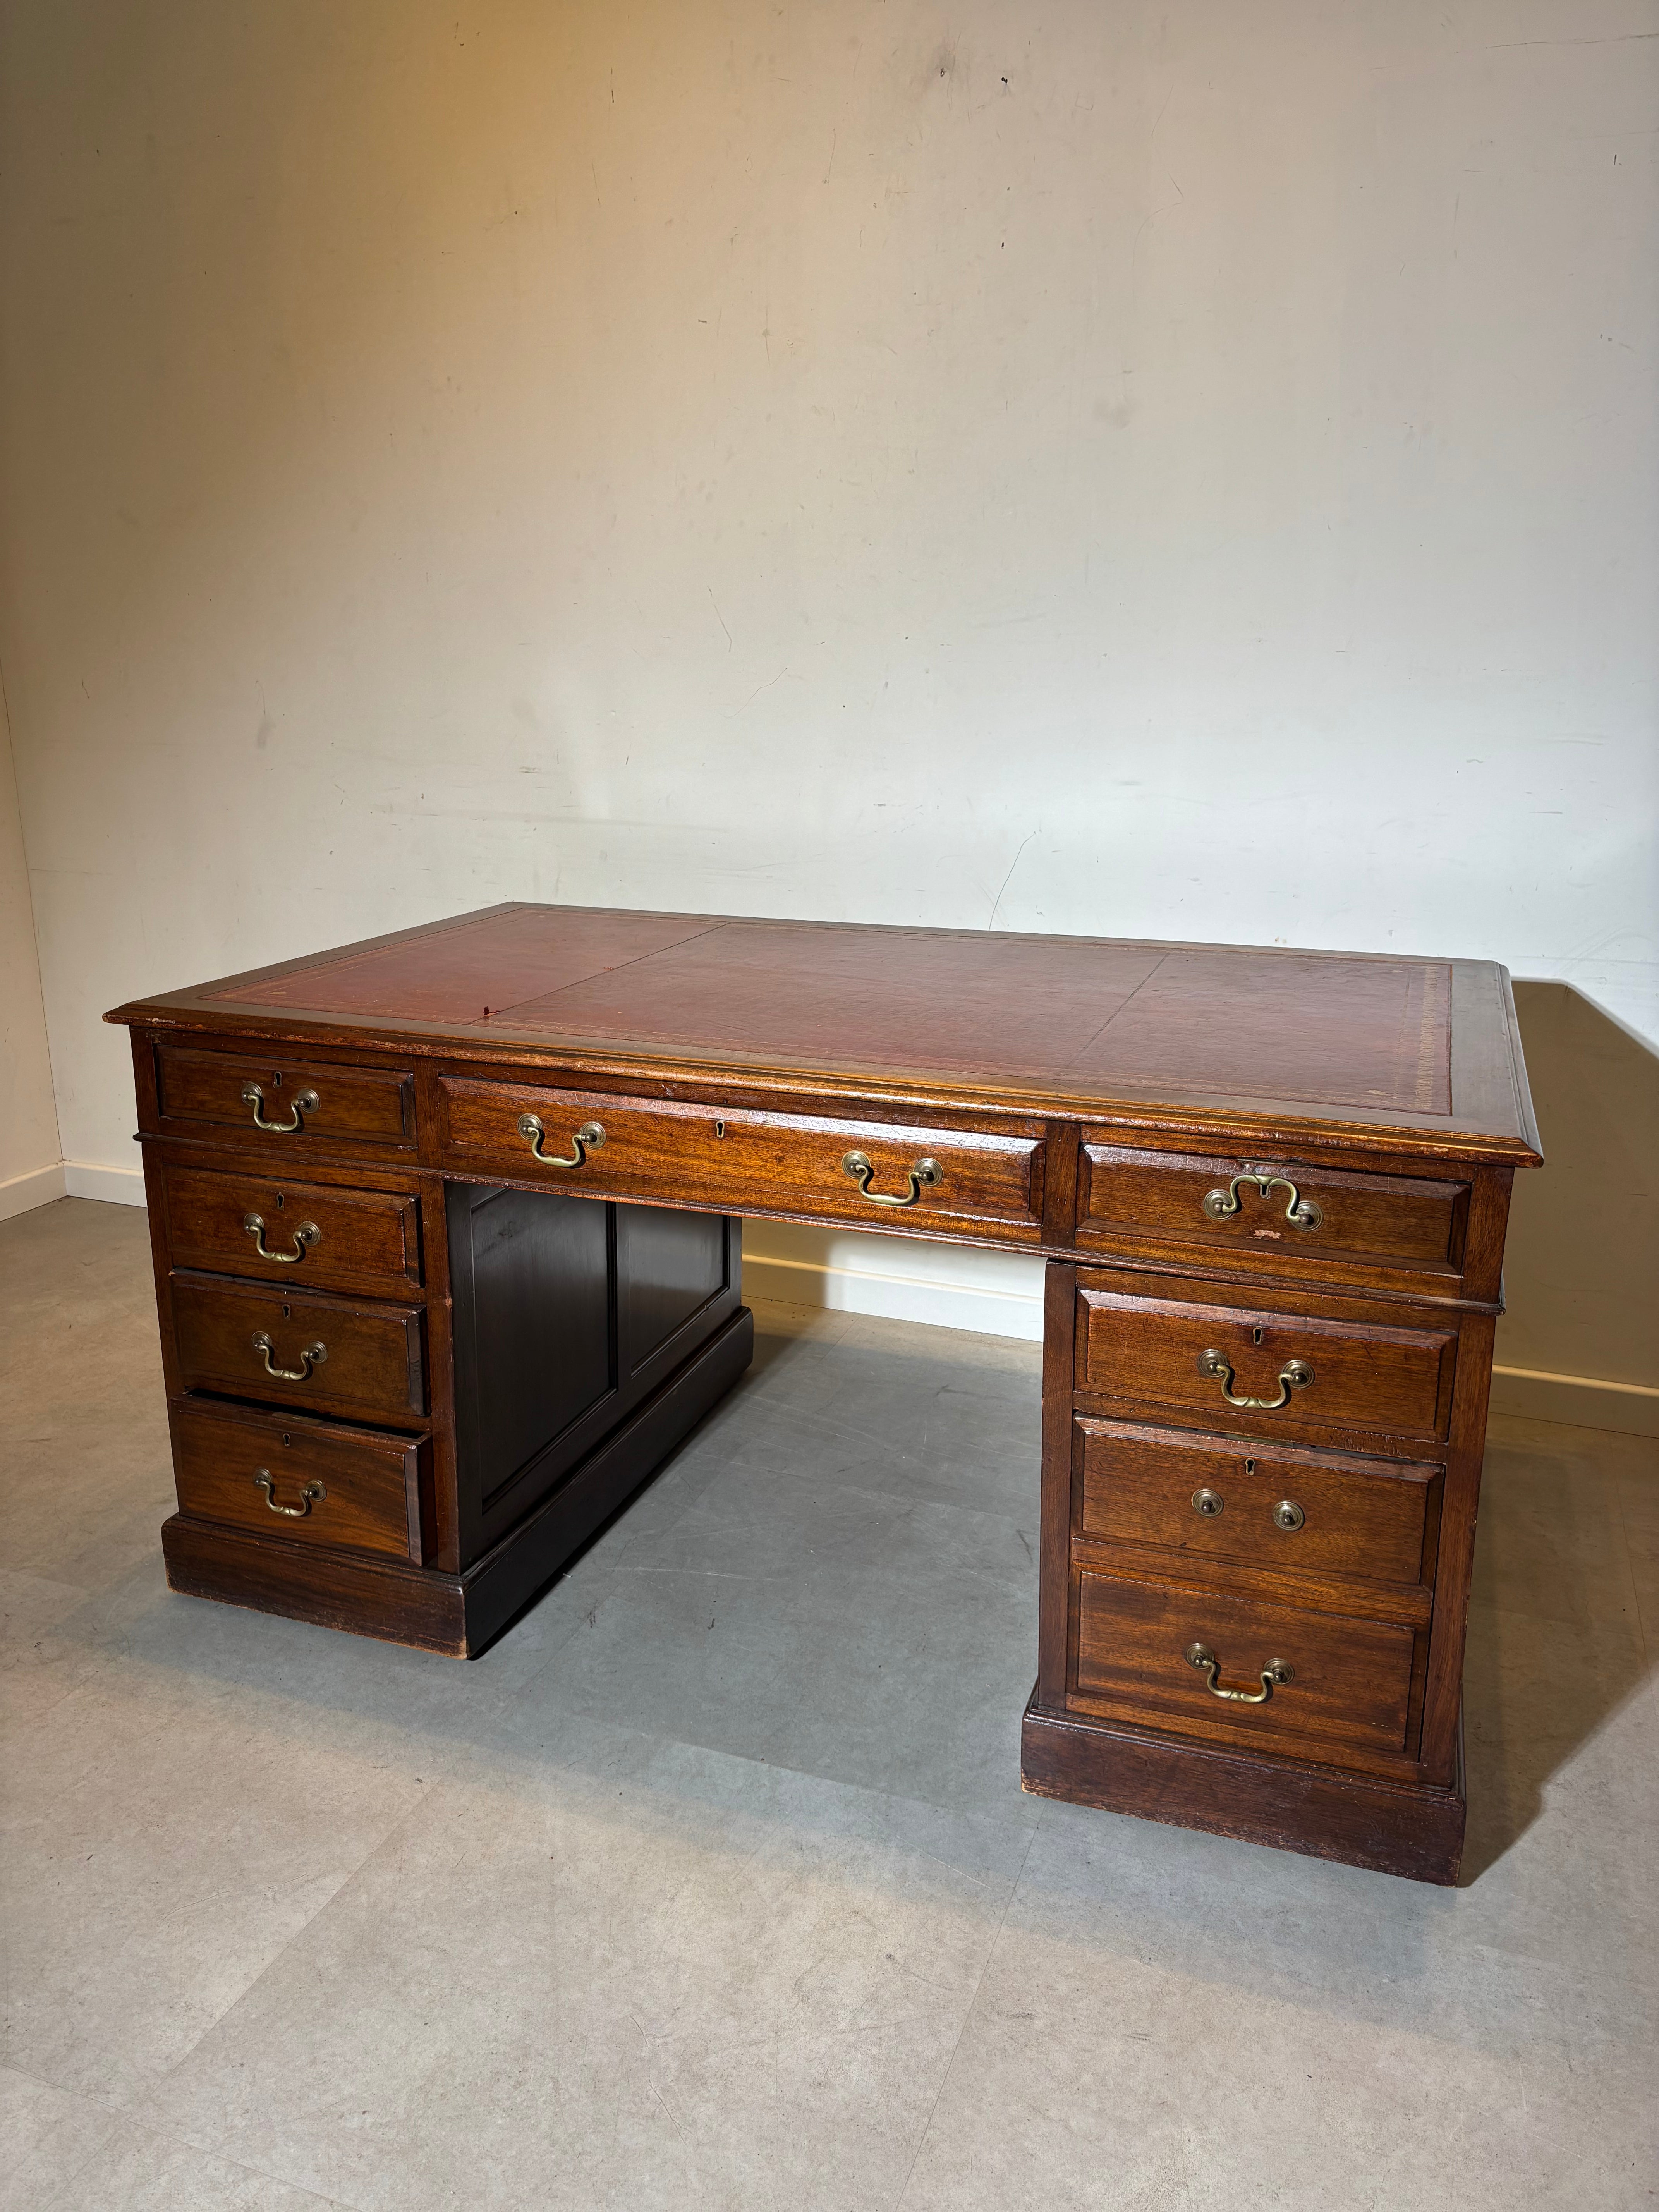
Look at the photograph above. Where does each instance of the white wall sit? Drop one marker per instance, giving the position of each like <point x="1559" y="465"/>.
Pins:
<point x="30" y="1173"/>
<point x="1123" y="469"/>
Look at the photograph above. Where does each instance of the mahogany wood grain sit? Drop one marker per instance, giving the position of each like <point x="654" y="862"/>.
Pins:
<point x="734" y="1161"/>
<point x="1396" y="1221"/>
<point x="1409" y="1605"/>
<point x="1171" y="1037"/>
<point x="373" y="1370"/>
<point x="459" y="1615"/>
<point x="1392" y="1825"/>
<point x="1059" y="1305"/>
<point x="362" y="1104"/>
<point x="1350" y="1684"/>
<point x="1442" y="1702"/>
<point x="1081" y="1096"/>
<point x="366" y="1240"/>
<point x="1369" y="1373"/>
<point x="370" y="1487"/>
<point x="1364" y="1518"/>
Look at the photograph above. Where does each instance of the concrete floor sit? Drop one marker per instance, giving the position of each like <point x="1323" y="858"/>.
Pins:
<point x="712" y="1884"/>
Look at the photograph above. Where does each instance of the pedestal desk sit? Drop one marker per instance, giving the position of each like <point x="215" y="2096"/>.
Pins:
<point x="447" y="1242"/>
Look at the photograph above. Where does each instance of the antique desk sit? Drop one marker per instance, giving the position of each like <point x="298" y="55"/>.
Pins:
<point x="448" y="1261"/>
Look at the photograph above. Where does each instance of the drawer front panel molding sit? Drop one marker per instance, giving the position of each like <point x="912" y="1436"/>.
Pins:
<point x="315" y="1236"/>
<point x="1251" y="1367"/>
<point x="1347" y="1682"/>
<point x="873" y="1173"/>
<point x="311" y="1481"/>
<point x="1282" y="1210"/>
<point x="1265" y="1505"/>
<point x="290" y="1104"/>
<point x="318" y="1354"/>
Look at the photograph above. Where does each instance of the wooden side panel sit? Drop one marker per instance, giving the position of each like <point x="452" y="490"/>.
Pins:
<point x="1059" y="1307"/>
<point x="567" y="1312"/>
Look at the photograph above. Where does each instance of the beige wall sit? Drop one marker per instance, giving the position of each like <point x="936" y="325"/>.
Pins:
<point x="1582" y="1265"/>
<point x="29" y="1170"/>
<point x="1186" y="471"/>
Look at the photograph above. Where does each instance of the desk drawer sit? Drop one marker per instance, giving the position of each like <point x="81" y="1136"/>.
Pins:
<point x="286" y="1474"/>
<point x="297" y="1234"/>
<point x="735" y="1162"/>
<point x="1304" y="1213"/>
<point x="1349" y="1682"/>
<point x="370" y="1365"/>
<point x="1265" y="1505"/>
<point x="301" y="1103"/>
<point x="1257" y="1368"/>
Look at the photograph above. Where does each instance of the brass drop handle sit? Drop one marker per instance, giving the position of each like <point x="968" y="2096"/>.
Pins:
<point x="862" y="1169"/>
<point x="313" y="1356"/>
<point x="587" y="1139"/>
<point x="1275" y="1672"/>
<point x="1294" y="1375"/>
<point x="307" y="1233"/>
<point x="1208" y="1504"/>
<point x="313" y="1494"/>
<point x="1300" y="1212"/>
<point x="305" y="1102"/>
<point x="1288" y="1515"/>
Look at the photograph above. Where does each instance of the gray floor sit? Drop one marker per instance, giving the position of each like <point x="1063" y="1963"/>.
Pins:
<point x="712" y="1885"/>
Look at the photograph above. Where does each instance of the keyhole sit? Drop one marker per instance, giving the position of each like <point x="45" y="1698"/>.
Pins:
<point x="279" y="1201"/>
<point x="275" y="1082"/>
<point x="1255" y="1336"/>
<point x="286" y="1437"/>
<point x="719" y="1128"/>
<point x="1249" y="1467"/>
<point x="288" y="1313"/>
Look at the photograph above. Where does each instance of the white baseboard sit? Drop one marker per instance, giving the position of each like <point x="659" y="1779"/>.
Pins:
<point x="1581" y="1402"/>
<point x="116" y="1185"/>
<point x="895" y="1278"/>
<point x="21" y="1194"/>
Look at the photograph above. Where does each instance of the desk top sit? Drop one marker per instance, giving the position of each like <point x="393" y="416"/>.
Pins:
<point x="1103" y="1029"/>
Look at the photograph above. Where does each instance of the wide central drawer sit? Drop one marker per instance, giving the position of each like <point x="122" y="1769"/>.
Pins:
<point x="1158" y="1655"/>
<point x="309" y="1235"/>
<point x="1260" y="1367"/>
<point x="877" y="1174"/>
<point x="321" y="1354"/>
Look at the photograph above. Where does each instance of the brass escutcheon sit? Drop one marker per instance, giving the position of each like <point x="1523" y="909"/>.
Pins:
<point x="1288" y="1514"/>
<point x="1209" y="1503"/>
